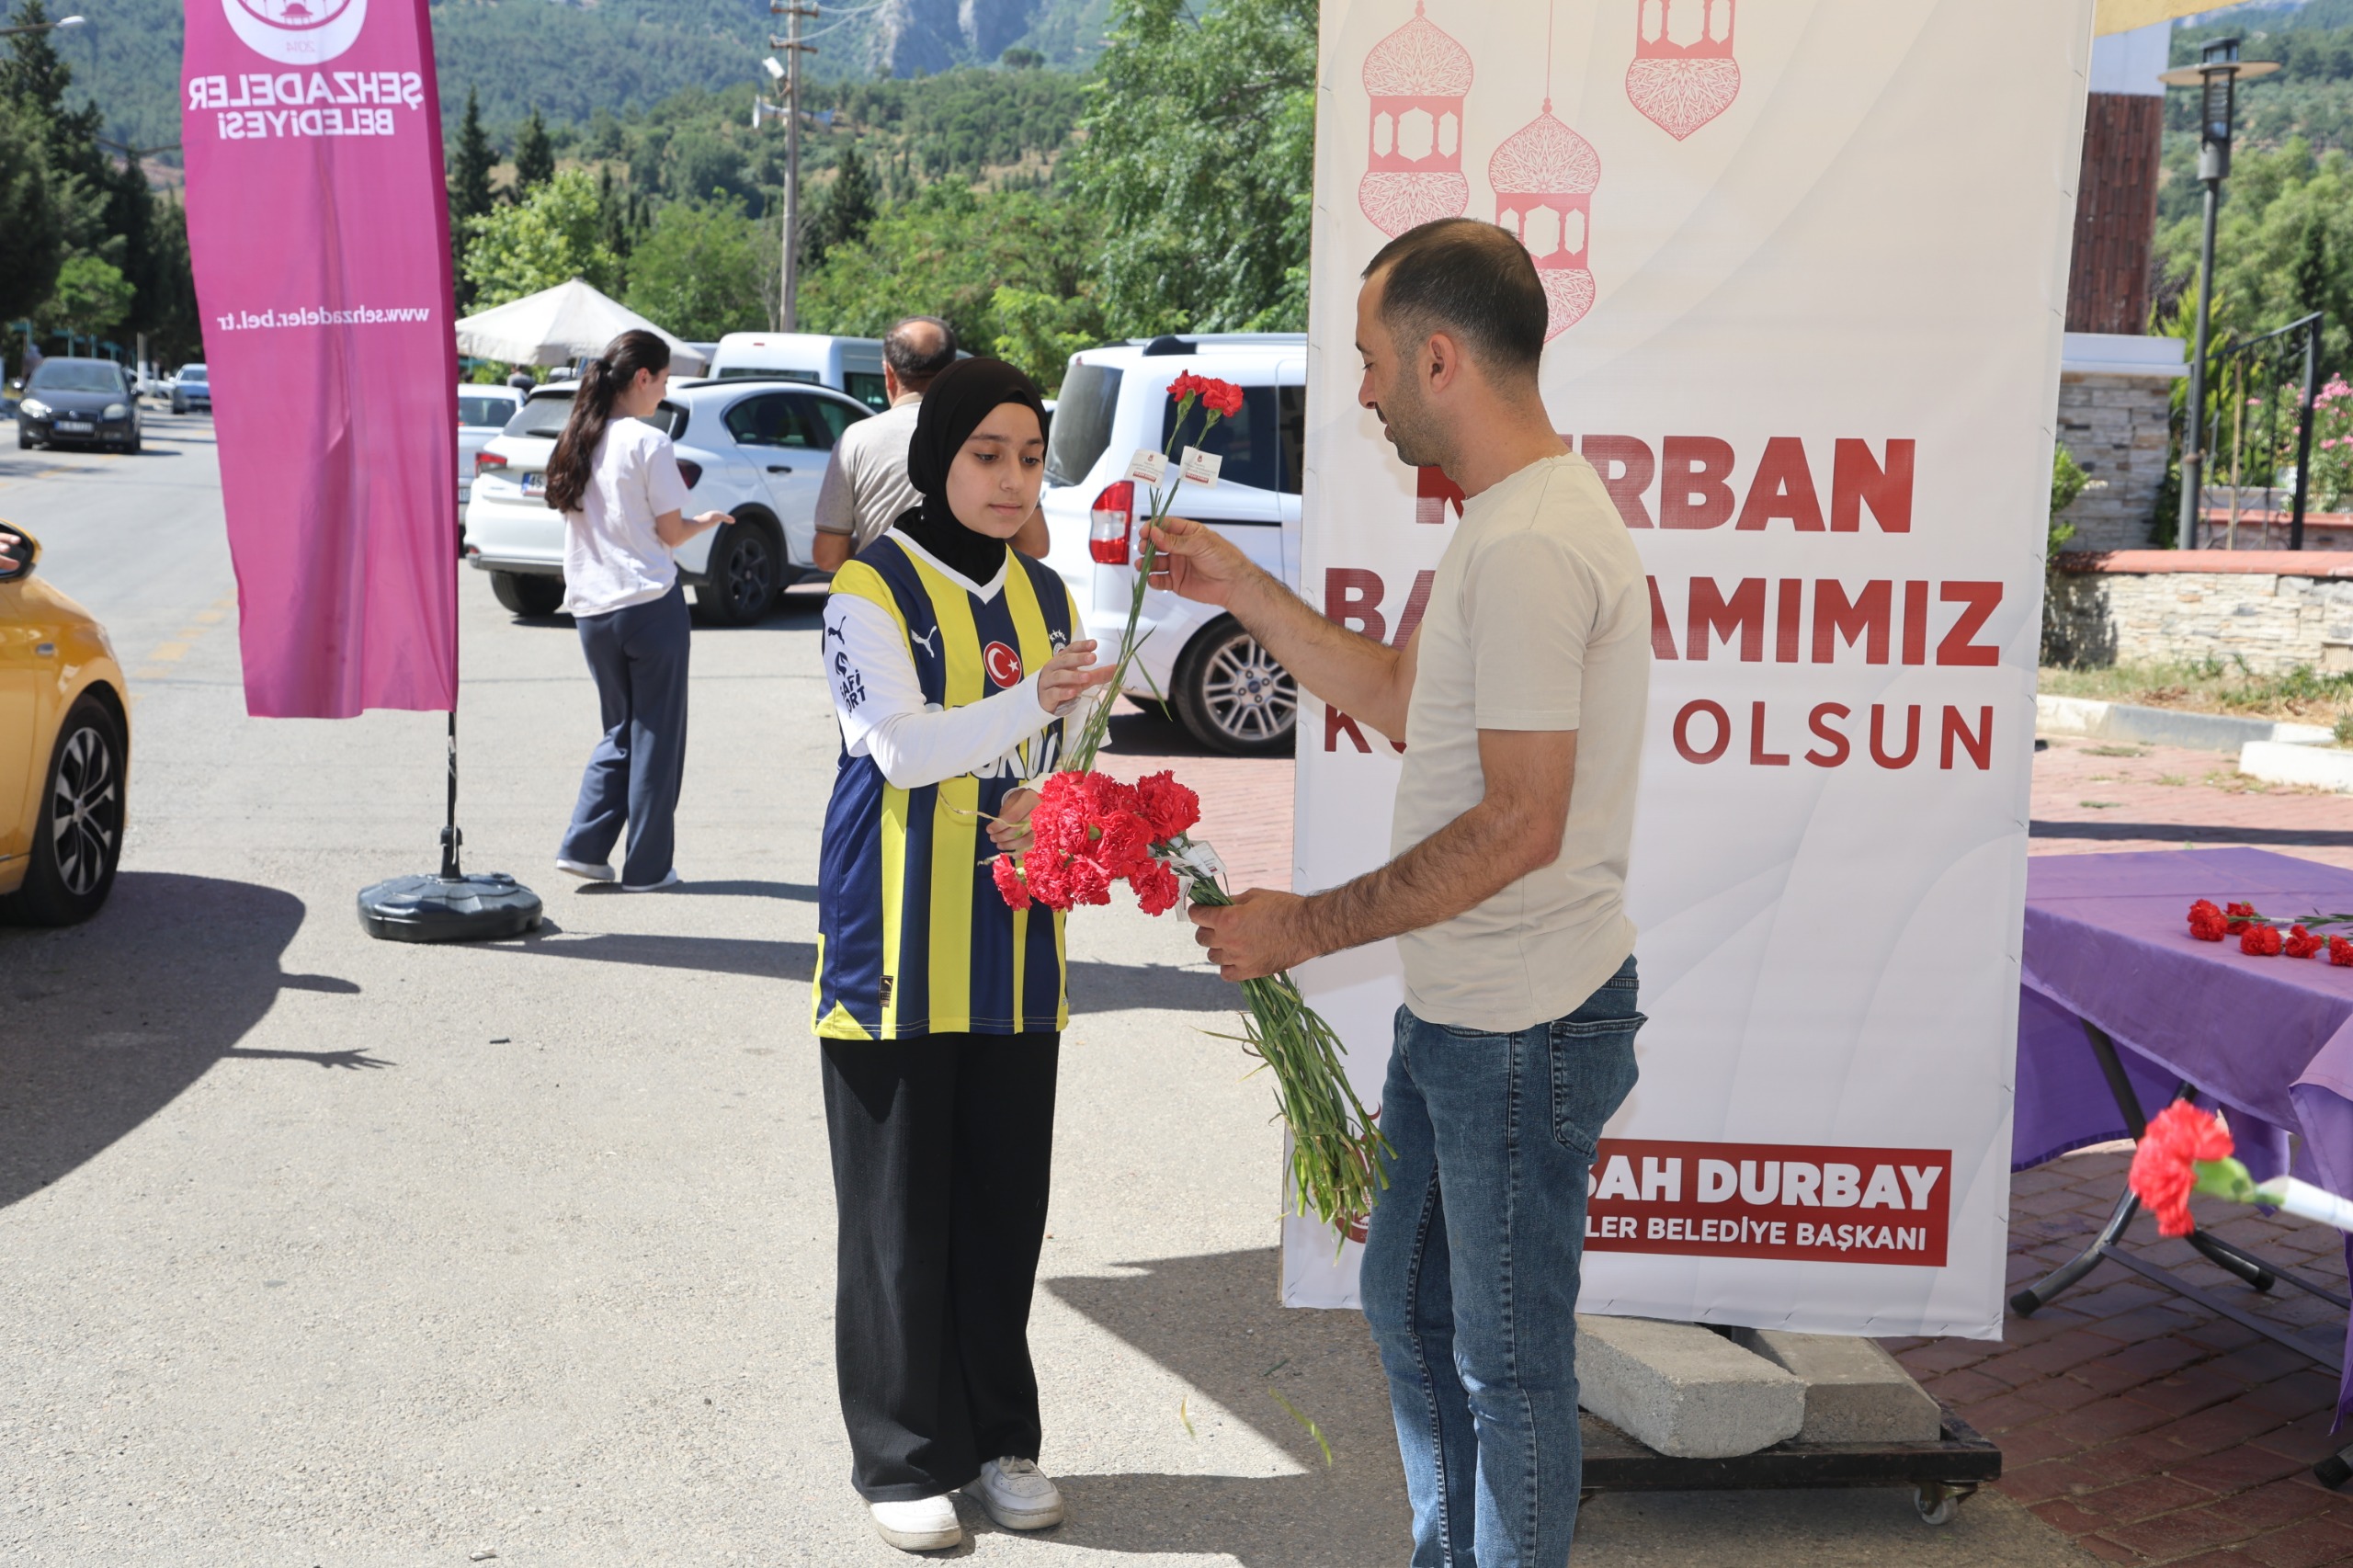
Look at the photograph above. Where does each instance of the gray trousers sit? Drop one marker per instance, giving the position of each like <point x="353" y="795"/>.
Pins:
<point x="639" y="657"/>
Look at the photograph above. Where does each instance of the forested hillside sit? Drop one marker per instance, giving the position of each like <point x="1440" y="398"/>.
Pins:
<point x="569" y="60"/>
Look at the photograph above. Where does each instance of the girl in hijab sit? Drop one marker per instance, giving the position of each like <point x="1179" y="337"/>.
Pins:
<point x="955" y="663"/>
<point x="615" y="478"/>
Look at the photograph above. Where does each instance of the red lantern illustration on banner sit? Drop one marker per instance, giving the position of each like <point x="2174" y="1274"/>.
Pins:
<point x="1418" y="78"/>
<point x="1543" y="176"/>
<point x="1683" y="74"/>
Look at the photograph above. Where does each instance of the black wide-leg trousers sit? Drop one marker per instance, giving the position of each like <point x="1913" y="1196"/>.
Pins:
<point x="941" y="1149"/>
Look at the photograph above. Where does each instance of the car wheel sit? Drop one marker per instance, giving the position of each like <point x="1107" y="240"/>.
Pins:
<point x="1232" y="695"/>
<point x="527" y="593"/>
<point x="77" y="836"/>
<point x="131" y="447"/>
<point x="745" y="574"/>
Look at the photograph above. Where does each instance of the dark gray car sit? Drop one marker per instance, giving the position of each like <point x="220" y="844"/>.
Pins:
<point x="78" y="400"/>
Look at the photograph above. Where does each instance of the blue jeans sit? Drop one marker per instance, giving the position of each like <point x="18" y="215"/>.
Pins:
<point x="638" y="656"/>
<point x="1470" y="1271"/>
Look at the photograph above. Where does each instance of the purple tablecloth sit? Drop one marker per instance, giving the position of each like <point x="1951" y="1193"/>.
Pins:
<point x="2271" y="1040"/>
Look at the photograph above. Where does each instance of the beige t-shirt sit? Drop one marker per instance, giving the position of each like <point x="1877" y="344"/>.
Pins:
<point x="1538" y="620"/>
<point x="866" y="486"/>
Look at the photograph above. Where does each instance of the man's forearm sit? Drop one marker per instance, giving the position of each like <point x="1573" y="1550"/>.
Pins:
<point x="829" y="552"/>
<point x="1349" y="671"/>
<point x="1456" y="869"/>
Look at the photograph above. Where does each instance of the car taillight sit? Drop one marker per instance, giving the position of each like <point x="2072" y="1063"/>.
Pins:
<point x="690" y="473"/>
<point x="485" y="461"/>
<point x="1110" y="521"/>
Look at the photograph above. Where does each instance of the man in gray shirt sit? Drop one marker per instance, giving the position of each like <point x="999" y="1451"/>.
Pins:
<point x="866" y="483"/>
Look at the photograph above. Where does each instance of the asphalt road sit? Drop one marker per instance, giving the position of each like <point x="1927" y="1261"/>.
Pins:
<point x="317" y="1250"/>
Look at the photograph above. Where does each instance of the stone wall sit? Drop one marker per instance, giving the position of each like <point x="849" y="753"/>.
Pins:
<point x="2117" y="426"/>
<point x="2272" y="611"/>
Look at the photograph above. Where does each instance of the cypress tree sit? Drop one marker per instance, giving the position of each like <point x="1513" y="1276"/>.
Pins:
<point x="534" y="157"/>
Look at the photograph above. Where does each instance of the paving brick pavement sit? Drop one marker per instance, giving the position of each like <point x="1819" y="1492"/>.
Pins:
<point x="2144" y="1428"/>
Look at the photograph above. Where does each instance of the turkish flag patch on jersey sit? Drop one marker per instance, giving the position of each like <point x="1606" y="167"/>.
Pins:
<point x="1003" y="664"/>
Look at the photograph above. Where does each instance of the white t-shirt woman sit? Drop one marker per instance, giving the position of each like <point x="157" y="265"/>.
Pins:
<point x="614" y="555"/>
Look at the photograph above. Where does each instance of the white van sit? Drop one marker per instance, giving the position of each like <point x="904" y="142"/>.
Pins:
<point x="1226" y="690"/>
<point x="853" y="365"/>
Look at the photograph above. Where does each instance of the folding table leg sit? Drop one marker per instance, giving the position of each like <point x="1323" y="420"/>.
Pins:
<point x="2026" y="1302"/>
<point x="2232" y="1259"/>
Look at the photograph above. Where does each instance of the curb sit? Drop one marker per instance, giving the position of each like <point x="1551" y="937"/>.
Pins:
<point x="2319" y="768"/>
<point x="2163" y="726"/>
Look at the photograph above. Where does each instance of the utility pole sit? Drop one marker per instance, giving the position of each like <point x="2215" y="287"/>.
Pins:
<point x="788" y="289"/>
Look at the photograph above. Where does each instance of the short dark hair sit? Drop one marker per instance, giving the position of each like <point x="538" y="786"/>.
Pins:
<point x="1468" y="277"/>
<point x="915" y="361"/>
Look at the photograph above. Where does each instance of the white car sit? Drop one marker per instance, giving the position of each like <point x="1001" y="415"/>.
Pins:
<point x="192" y="388"/>
<point x="1225" y="689"/>
<point x="483" y="414"/>
<point x="754" y="450"/>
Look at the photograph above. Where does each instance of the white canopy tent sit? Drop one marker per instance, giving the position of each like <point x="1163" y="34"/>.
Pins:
<point x="557" y="325"/>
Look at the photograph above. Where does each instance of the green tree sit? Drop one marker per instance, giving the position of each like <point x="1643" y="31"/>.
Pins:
<point x="534" y="158"/>
<point x="953" y="253"/>
<point x="555" y="234"/>
<point x="701" y="270"/>
<point x="32" y="234"/>
<point x="470" y="194"/>
<point x="1198" y="154"/>
<point x="92" y="297"/>
<point x="847" y="211"/>
<point x="2284" y="247"/>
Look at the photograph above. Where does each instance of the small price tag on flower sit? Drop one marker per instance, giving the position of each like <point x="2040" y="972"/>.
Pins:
<point x="1148" y="466"/>
<point x="1202" y="467"/>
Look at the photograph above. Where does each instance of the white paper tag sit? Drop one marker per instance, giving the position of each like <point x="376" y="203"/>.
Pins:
<point x="1202" y="467"/>
<point x="1200" y="860"/>
<point x="1148" y="465"/>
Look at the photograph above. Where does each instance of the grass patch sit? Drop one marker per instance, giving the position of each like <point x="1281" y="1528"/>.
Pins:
<point x="2212" y="686"/>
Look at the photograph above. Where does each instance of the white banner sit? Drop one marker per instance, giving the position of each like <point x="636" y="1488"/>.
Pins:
<point x="1808" y="263"/>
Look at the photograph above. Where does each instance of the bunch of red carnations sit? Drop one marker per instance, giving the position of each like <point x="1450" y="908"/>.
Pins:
<point x="2260" y="936"/>
<point x="1088" y="832"/>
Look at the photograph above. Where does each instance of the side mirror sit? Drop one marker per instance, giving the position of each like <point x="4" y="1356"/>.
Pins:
<point x="18" y="551"/>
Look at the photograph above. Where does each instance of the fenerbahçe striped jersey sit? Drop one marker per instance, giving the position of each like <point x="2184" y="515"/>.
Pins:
<point x="914" y="938"/>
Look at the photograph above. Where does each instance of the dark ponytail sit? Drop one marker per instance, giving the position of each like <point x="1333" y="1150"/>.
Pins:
<point x="601" y="381"/>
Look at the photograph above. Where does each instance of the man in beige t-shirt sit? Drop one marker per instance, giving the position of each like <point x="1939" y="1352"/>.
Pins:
<point x="1520" y="700"/>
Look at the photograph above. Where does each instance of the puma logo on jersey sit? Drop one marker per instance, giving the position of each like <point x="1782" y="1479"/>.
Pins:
<point x="928" y="641"/>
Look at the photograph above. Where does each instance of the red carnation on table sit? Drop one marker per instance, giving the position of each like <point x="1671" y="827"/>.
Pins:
<point x="2262" y="941"/>
<point x="2340" y="952"/>
<point x="2163" y="1161"/>
<point x="2206" y="922"/>
<point x="2238" y="918"/>
<point x="2303" y="944"/>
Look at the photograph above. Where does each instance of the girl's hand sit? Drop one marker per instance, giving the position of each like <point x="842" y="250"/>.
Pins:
<point x="1010" y="831"/>
<point x="1066" y="677"/>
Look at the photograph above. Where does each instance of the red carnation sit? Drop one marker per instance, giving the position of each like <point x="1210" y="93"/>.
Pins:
<point x="2340" y="952"/>
<point x="1156" y="887"/>
<point x="1046" y="883"/>
<point x="2239" y="915"/>
<point x="2303" y="944"/>
<point x="2162" y="1173"/>
<point x="1168" y="806"/>
<point x="1087" y="881"/>
<point x="1009" y="885"/>
<point x="2206" y="921"/>
<point x="2262" y="941"/>
<point x="1125" y="841"/>
<point x="1222" y="398"/>
<point x="1186" y="384"/>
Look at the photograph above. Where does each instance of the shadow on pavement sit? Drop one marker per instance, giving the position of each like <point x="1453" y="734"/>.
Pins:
<point x="1096" y="987"/>
<point x="2192" y="833"/>
<point x="107" y="1022"/>
<point x="1214" y="1321"/>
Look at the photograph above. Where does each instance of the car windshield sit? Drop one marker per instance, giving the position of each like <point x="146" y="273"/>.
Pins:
<point x="1090" y="397"/>
<point x="192" y="372"/>
<point x="481" y="408"/>
<point x="76" y="375"/>
<point x="544" y="415"/>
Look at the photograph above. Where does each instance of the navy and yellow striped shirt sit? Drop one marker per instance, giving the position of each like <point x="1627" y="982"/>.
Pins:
<point x="914" y="938"/>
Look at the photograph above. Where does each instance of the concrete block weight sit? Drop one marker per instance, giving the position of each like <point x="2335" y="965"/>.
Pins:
<point x="1685" y="1390"/>
<point x="1855" y="1391"/>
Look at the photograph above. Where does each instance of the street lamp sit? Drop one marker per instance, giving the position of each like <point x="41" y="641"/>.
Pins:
<point x="45" y="27"/>
<point x="2216" y="76"/>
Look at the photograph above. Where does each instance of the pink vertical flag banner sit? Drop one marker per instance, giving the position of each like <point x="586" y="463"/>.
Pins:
<point x="319" y="225"/>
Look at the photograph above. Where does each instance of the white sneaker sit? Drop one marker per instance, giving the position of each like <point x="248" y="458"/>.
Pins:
<point x="669" y="880"/>
<point x="928" y="1524"/>
<point x="583" y="870"/>
<point x="1017" y="1494"/>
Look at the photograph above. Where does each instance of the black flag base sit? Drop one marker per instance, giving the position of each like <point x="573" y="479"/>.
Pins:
<point x="452" y="906"/>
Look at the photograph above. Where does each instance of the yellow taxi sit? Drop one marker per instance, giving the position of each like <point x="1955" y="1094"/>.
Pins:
<point x="64" y="748"/>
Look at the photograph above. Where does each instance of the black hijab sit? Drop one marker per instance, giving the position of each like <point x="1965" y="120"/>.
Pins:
<point x="953" y="408"/>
